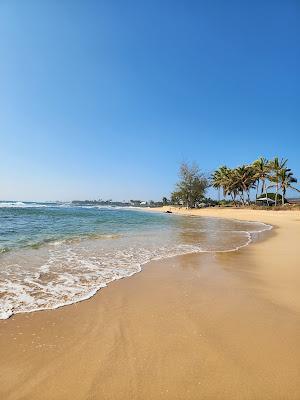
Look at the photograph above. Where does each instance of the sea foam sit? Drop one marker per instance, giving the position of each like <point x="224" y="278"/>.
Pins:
<point x="63" y="271"/>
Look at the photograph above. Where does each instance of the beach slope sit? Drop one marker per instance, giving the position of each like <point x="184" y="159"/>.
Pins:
<point x="199" y="326"/>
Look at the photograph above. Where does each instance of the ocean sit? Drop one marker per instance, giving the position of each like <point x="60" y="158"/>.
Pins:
<point x="55" y="254"/>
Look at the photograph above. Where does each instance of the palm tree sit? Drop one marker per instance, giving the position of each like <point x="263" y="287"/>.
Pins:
<point x="245" y="180"/>
<point x="234" y="181"/>
<point x="216" y="181"/>
<point x="220" y="179"/>
<point x="261" y="174"/>
<point x="231" y="184"/>
<point x="276" y="166"/>
<point x="262" y="169"/>
<point x="286" y="178"/>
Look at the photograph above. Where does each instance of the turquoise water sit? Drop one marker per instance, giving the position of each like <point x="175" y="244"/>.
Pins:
<point x="54" y="254"/>
<point x="34" y="224"/>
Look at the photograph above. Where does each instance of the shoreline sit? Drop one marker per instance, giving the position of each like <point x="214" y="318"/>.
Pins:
<point x="250" y="234"/>
<point x="222" y="326"/>
<point x="241" y="214"/>
<point x="282" y="284"/>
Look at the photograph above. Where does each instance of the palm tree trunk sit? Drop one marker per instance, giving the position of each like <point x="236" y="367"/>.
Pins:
<point x="267" y="197"/>
<point x="242" y="197"/>
<point x="263" y="186"/>
<point x="265" y="191"/>
<point x="283" y="196"/>
<point x="276" y="195"/>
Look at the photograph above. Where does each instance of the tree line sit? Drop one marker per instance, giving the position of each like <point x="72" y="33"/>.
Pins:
<point x="260" y="176"/>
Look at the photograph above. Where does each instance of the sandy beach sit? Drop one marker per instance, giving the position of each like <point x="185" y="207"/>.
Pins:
<point x="199" y="326"/>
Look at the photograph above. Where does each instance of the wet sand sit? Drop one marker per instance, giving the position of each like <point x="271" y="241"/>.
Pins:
<point x="201" y="326"/>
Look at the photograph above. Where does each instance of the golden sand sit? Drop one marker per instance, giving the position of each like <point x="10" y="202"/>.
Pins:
<point x="201" y="326"/>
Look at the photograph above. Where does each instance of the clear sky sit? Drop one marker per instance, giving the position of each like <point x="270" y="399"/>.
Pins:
<point x="106" y="98"/>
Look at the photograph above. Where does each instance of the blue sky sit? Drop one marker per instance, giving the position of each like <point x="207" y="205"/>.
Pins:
<point x="106" y="98"/>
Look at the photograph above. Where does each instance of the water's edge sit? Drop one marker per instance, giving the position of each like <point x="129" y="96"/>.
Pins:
<point x="250" y="236"/>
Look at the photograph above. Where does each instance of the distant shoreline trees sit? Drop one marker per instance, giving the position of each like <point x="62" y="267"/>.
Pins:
<point x="237" y="183"/>
<point x="261" y="175"/>
<point x="190" y="190"/>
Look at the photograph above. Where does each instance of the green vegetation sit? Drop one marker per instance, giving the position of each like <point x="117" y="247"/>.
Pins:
<point x="261" y="175"/>
<point x="190" y="189"/>
<point x="165" y="201"/>
<point x="237" y="184"/>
